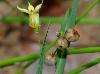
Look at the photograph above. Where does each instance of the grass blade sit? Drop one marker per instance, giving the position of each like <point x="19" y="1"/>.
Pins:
<point x="20" y="59"/>
<point x="64" y="24"/>
<point x="84" y="67"/>
<point x="45" y="20"/>
<point x="90" y="7"/>
<point x="73" y="14"/>
<point x="42" y="52"/>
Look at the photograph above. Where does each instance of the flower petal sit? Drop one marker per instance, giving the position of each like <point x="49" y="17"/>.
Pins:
<point x="37" y="8"/>
<point x="22" y="9"/>
<point x="30" y="7"/>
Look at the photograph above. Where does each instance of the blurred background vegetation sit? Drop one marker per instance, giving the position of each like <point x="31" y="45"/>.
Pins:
<point x="17" y="38"/>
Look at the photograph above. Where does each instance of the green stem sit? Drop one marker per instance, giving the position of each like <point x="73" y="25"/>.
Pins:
<point x="51" y="20"/>
<point x="87" y="10"/>
<point x="24" y="19"/>
<point x="51" y="45"/>
<point x="42" y="53"/>
<point x="61" y="61"/>
<point x="74" y="11"/>
<point x="60" y="66"/>
<point x="83" y="50"/>
<point x="84" y="67"/>
<point x="91" y="21"/>
<point x="12" y="61"/>
<point x="35" y="56"/>
<point x="45" y="20"/>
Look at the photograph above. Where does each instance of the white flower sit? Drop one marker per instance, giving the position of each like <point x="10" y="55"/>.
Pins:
<point x="33" y="15"/>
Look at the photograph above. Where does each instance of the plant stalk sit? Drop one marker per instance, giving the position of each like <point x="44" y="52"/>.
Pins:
<point x="84" y="67"/>
<point x="35" y="56"/>
<point x="90" y="7"/>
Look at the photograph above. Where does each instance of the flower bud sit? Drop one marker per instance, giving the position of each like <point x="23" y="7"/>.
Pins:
<point x="72" y="35"/>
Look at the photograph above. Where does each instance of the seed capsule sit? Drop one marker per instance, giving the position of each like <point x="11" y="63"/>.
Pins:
<point x="50" y="58"/>
<point x="62" y="43"/>
<point x="72" y="35"/>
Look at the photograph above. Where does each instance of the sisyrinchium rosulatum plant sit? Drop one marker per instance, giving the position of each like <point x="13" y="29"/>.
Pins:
<point x="65" y="36"/>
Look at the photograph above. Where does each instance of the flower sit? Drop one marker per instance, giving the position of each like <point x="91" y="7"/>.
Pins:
<point x="33" y="15"/>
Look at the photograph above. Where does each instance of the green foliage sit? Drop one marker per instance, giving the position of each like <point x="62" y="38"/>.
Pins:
<point x="42" y="53"/>
<point x="60" y="66"/>
<point x="35" y="56"/>
<point x="92" y="5"/>
<point x="51" y="20"/>
<point x="20" y="59"/>
<point x="64" y="24"/>
<point x="74" y="11"/>
<point x="84" y="67"/>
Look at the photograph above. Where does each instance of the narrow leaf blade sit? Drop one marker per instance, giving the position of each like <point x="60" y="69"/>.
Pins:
<point x="42" y="52"/>
<point x="73" y="14"/>
<point x="64" y="24"/>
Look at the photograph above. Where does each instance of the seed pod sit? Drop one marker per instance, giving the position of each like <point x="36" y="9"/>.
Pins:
<point x="62" y="43"/>
<point x="50" y="58"/>
<point x="72" y="35"/>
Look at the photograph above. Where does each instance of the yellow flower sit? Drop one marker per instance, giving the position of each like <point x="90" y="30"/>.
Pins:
<point x="33" y="15"/>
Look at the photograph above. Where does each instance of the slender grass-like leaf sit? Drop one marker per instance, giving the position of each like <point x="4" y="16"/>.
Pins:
<point x="42" y="53"/>
<point x="20" y="59"/>
<point x="89" y="8"/>
<point x="73" y="14"/>
<point x="64" y="24"/>
<point x="84" y="67"/>
<point x="45" y="20"/>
